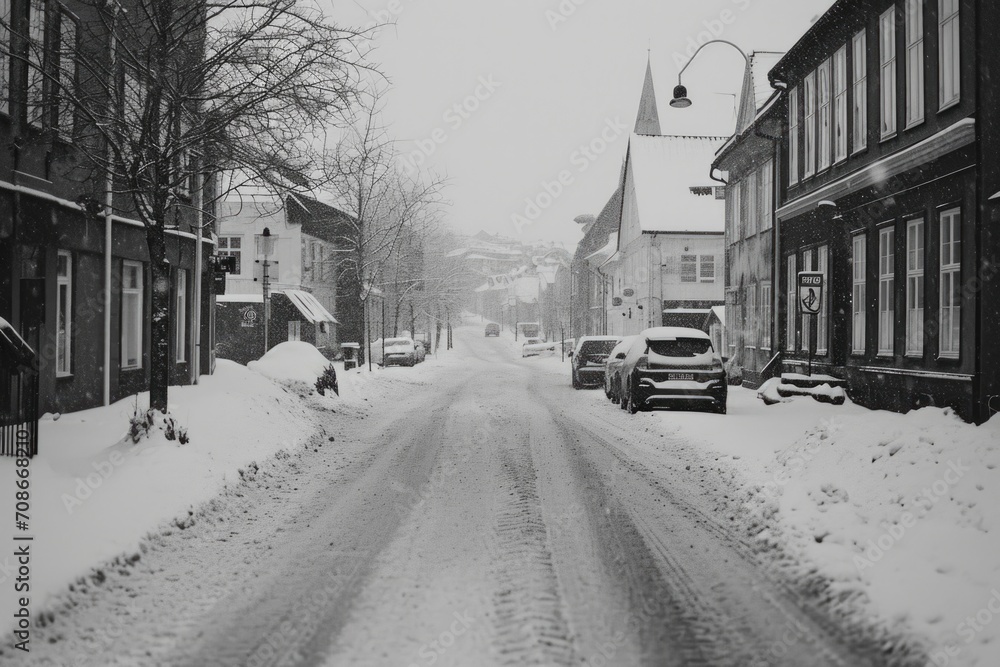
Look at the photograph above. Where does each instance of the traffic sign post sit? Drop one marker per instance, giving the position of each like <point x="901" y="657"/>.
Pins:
<point x="811" y="303"/>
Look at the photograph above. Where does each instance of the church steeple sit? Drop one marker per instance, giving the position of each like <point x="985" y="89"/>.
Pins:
<point x="647" y="121"/>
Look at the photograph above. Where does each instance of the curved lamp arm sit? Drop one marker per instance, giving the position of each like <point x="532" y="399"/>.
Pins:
<point x="714" y="41"/>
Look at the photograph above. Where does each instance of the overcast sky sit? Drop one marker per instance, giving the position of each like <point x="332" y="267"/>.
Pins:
<point x="536" y="81"/>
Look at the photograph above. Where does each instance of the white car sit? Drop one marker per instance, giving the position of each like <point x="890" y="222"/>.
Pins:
<point x="398" y="352"/>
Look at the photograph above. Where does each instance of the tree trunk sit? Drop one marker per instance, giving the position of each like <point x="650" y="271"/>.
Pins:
<point x="159" y="347"/>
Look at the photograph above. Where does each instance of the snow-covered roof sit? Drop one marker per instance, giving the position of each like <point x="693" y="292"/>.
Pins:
<point x="239" y="298"/>
<point x="605" y="252"/>
<point x="664" y="170"/>
<point x="309" y="306"/>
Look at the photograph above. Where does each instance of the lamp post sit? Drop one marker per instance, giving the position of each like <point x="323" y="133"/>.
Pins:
<point x="681" y="99"/>
<point x="266" y="249"/>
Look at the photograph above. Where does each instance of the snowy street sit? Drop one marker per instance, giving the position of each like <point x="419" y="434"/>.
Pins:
<point x="482" y="512"/>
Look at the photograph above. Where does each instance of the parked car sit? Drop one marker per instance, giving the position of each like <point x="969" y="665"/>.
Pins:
<point x="672" y="367"/>
<point x="532" y="347"/>
<point x="398" y="352"/>
<point x="492" y="329"/>
<point x="613" y="368"/>
<point x="587" y="360"/>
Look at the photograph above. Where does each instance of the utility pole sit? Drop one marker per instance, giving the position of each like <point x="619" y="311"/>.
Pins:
<point x="266" y="249"/>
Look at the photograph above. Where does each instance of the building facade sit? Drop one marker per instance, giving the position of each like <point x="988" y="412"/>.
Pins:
<point x="74" y="277"/>
<point x="885" y="187"/>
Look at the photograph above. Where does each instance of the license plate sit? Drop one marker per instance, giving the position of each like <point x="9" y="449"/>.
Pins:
<point x="682" y="376"/>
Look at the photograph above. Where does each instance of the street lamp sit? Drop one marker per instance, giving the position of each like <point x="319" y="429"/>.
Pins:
<point x="681" y="99"/>
<point x="266" y="249"/>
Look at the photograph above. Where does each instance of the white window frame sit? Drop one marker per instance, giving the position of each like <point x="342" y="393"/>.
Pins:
<point x="809" y="87"/>
<point x="34" y="94"/>
<point x="180" y="317"/>
<point x="294" y="330"/>
<point x="737" y="231"/>
<point x="793" y="136"/>
<point x="914" y="62"/>
<point x="915" y="294"/>
<point x="950" y="319"/>
<point x="790" y="301"/>
<point x="840" y="105"/>
<point x="887" y="73"/>
<point x="859" y="45"/>
<point x="228" y="251"/>
<point x="949" y="53"/>
<point x="750" y="323"/>
<point x="64" y="314"/>
<point x="859" y="293"/>
<point x="766" y="181"/>
<point x="887" y="291"/>
<point x="824" y="117"/>
<point x="823" y="318"/>
<point x="753" y="214"/>
<point x="136" y="317"/>
<point x="765" y="305"/>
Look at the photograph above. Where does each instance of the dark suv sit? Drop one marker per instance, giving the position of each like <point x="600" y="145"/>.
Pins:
<point x="492" y="329"/>
<point x="587" y="360"/>
<point x="673" y="366"/>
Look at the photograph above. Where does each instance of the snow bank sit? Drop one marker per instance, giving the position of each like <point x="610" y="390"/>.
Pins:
<point x="291" y="362"/>
<point x="94" y="494"/>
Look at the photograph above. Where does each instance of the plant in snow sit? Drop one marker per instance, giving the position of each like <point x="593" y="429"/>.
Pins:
<point x="328" y="380"/>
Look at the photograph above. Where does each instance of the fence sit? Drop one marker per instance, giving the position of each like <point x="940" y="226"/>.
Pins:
<point x="18" y="395"/>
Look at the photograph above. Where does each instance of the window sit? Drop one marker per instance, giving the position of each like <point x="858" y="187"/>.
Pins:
<point x="859" y="46"/>
<point x="4" y="56"/>
<point x="295" y="331"/>
<point x="914" y="62"/>
<point x="65" y="110"/>
<point x="810" y="125"/>
<point x="823" y="318"/>
<point x="806" y="342"/>
<point x="765" y="306"/>
<point x="322" y="263"/>
<point x="949" y="52"/>
<point x="840" y="104"/>
<point x="767" y="195"/>
<point x="131" y="315"/>
<point x="949" y="343"/>
<point x="35" y="94"/>
<point x="706" y="270"/>
<point x="859" y="303"/>
<point x="790" y="302"/>
<point x="737" y="226"/>
<point x="180" y="316"/>
<point x="915" y="288"/>
<point x="689" y="268"/>
<point x="750" y="332"/>
<point x="232" y="246"/>
<point x="886" y="291"/>
<point x="753" y="215"/>
<point x="64" y="313"/>
<point x="887" y="77"/>
<point x="793" y="136"/>
<point x="825" y="111"/>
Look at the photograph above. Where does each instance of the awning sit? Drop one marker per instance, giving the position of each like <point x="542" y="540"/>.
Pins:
<point x="239" y="298"/>
<point x="309" y="306"/>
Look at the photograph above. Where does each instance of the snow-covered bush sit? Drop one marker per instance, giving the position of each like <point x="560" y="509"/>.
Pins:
<point x="141" y="423"/>
<point x="328" y="380"/>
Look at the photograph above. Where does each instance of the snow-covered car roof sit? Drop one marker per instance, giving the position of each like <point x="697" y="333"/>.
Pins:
<point x="668" y="333"/>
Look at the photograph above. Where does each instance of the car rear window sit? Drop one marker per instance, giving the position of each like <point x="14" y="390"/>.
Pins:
<point x="681" y="347"/>
<point x="598" y="346"/>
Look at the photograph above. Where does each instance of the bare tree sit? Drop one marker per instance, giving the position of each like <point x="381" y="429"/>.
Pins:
<point x="385" y="204"/>
<point x="157" y="96"/>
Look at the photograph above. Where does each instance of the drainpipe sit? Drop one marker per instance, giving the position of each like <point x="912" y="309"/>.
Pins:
<point x="194" y="365"/>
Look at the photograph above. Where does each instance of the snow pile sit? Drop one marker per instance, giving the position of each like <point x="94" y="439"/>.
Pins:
<point x="775" y="391"/>
<point x="95" y="494"/>
<point x="904" y="510"/>
<point x="292" y="363"/>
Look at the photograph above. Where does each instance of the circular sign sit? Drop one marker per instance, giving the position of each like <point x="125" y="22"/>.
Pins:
<point x="628" y="291"/>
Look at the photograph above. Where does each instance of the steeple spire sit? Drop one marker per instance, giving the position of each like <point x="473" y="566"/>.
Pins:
<point x="647" y="121"/>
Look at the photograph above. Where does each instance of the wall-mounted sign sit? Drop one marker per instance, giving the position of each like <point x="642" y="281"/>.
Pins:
<point x="616" y="301"/>
<point x="628" y="292"/>
<point x="810" y="292"/>
<point x="248" y="317"/>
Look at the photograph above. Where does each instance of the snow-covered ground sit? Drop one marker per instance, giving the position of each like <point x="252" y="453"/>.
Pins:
<point x="898" y="515"/>
<point x="95" y="494"/>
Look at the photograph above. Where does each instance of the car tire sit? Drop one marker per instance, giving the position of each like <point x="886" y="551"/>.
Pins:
<point x="633" y="404"/>
<point x="720" y="408"/>
<point x="576" y="382"/>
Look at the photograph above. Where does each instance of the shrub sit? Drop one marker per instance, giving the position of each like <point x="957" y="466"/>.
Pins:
<point x="328" y="380"/>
